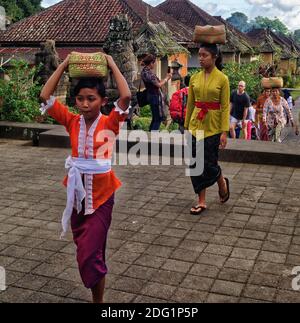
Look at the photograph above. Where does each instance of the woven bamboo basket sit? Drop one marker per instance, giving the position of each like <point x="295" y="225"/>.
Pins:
<point x="210" y="34"/>
<point x="272" y="82"/>
<point x="87" y="65"/>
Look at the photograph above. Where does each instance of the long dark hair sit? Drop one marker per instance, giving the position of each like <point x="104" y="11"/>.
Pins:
<point x="215" y="52"/>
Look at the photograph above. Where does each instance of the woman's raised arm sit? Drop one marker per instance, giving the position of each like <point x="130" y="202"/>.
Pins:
<point x="124" y="91"/>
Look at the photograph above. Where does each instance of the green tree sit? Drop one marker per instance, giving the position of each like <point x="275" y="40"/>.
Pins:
<point x="239" y="20"/>
<point x="247" y="72"/>
<point x="19" y="9"/>
<point x="274" y="24"/>
<point x="19" y="95"/>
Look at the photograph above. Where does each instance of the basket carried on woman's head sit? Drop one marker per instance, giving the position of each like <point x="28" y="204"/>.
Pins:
<point x="272" y="82"/>
<point x="210" y="34"/>
<point x="87" y="65"/>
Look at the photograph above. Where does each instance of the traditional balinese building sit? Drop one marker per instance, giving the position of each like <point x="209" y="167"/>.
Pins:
<point x="277" y="49"/>
<point x="265" y="45"/>
<point x="158" y="40"/>
<point x="82" y="25"/>
<point x="237" y="48"/>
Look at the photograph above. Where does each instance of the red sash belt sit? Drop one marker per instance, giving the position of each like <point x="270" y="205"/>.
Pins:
<point x="205" y="106"/>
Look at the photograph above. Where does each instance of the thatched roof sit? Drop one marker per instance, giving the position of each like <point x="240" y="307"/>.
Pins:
<point x="158" y="40"/>
<point x="263" y="40"/>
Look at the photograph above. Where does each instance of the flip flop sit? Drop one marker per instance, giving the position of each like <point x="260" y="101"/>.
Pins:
<point x="225" y="198"/>
<point x="198" y="209"/>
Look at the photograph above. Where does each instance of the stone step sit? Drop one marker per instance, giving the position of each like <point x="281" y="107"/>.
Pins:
<point x="24" y="131"/>
<point x="240" y="151"/>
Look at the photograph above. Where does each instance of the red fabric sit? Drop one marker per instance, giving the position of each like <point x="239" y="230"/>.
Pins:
<point x="249" y="127"/>
<point x="178" y="105"/>
<point x="90" y="235"/>
<point x="264" y="136"/>
<point x="205" y="107"/>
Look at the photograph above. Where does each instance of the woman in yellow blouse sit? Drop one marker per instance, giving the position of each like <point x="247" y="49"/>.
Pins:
<point x="208" y="110"/>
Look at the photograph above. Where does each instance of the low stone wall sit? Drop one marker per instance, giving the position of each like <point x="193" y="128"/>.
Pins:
<point x="24" y="131"/>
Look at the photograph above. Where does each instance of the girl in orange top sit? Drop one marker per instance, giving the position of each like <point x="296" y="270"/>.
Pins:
<point x="90" y="183"/>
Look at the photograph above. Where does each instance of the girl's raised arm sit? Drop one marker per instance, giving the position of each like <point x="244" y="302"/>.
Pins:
<point x="53" y="81"/>
<point x="124" y="91"/>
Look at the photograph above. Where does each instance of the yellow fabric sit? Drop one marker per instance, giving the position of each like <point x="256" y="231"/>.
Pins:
<point x="215" y="89"/>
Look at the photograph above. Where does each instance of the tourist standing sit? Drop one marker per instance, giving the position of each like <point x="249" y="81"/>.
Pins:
<point x="240" y="102"/>
<point x="155" y="94"/>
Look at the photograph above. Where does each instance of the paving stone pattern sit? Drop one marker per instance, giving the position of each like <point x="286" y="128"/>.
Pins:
<point x="243" y="251"/>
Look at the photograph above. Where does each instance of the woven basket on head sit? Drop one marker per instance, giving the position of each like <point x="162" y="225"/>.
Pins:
<point x="272" y="82"/>
<point x="87" y="65"/>
<point x="210" y="34"/>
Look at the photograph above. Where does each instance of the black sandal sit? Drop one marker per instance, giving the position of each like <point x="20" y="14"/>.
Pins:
<point x="225" y="198"/>
<point x="198" y="209"/>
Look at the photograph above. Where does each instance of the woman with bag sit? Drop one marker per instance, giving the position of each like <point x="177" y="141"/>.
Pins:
<point x="155" y="96"/>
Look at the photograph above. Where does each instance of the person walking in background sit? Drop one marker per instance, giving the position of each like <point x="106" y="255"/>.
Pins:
<point x="178" y="104"/>
<point x="262" y="130"/>
<point x="240" y="102"/>
<point x="275" y="109"/>
<point x="155" y="94"/>
<point x="289" y="99"/>
<point x="208" y="111"/>
<point x="250" y="121"/>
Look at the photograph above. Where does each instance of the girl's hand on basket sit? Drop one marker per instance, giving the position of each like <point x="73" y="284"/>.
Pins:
<point x="65" y="63"/>
<point x="110" y="61"/>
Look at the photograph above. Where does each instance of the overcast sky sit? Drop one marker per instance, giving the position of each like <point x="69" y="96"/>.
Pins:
<point x="287" y="10"/>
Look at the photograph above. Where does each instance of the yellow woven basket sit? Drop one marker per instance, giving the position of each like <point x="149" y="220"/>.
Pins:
<point x="87" y="65"/>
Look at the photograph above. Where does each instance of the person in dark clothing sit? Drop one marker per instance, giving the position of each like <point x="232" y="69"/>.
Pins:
<point x="240" y="103"/>
<point x="287" y="95"/>
<point x="155" y="95"/>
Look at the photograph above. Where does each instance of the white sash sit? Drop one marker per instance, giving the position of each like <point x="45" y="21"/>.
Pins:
<point x="75" y="188"/>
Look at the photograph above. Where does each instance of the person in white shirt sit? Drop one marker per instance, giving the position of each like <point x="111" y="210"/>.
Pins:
<point x="250" y="119"/>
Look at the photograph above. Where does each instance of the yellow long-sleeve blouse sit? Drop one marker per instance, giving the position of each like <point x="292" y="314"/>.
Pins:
<point x="215" y="89"/>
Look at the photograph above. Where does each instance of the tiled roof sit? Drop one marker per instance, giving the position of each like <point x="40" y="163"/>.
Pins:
<point x="288" y="47"/>
<point x="187" y="13"/>
<point x="86" y="22"/>
<point x="28" y="53"/>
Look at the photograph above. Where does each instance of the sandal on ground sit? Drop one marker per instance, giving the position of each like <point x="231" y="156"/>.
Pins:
<point x="198" y="209"/>
<point x="225" y="198"/>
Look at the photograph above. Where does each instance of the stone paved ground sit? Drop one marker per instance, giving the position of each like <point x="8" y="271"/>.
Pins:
<point x="157" y="252"/>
